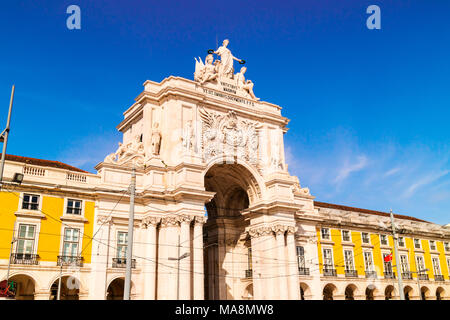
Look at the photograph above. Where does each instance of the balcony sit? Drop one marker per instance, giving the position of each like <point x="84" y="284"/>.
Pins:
<point x="328" y="272"/>
<point x="438" y="277"/>
<point x="351" y="274"/>
<point x="371" y="274"/>
<point x="24" y="258"/>
<point x="122" y="263"/>
<point x="75" y="261"/>
<point x="389" y="275"/>
<point x="423" y="276"/>
<point x="248" y="273"/>
<point x="407" y="275"/>
<point x="303" y="271"/>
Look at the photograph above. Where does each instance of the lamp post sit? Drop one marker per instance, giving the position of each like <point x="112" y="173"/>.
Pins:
<point x="399" y="271"/>
<point x="4" y="137"/>
<point x="184" y="255"/>
<point x="418" y="272"/>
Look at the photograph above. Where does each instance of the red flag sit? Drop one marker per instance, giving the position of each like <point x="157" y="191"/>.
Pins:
<point x="388" y="257"/>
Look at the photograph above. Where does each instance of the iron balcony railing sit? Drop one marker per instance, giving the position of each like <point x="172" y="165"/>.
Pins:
<point x="75" y="261"/>
<point x="351" y="273"/>
<point x="24" y="258"/>
<point x="389" y="275"/>
<point x="438" y="277"/>
<point x="423" y="276"/>
<point x="249" y="273"/>
<point x="329" y="272"/>
<point x="371" y="274"/>
<point x="122" y="263"/>
<point x="303" y="271"/>
<point x="407" y="275"/>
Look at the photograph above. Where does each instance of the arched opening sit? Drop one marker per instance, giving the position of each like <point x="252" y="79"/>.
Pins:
<point x="116" y="289"/>
<point x="350" y="292"/>
<point x="304" y="291"/>
<point x="440" y="293"/>
<point x="25" y="287"/>
<point x="389" y="292"/>
<point x="370" y="292"/>
<point x="425" y="293"/>
<point x="234" y="187"/>
<point x="248" y="292"/>
<point x="408" y="292"/>
<point x="70" y="289"/>
<point x="328" y="291"/>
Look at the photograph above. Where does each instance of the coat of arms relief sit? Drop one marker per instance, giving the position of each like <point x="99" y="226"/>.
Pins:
<point x="226" y="134"/>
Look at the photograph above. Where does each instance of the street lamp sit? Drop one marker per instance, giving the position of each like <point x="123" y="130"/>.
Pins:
<point x="418" y="280"/>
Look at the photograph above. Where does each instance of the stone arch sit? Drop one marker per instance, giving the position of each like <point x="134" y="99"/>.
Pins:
<point x="329" y="291"/>
<point x="248" y="292"/>
<point x="409" y="292"/>
<point x="25" y="286"/>
<point x="371" y="292"/>
<point x="255" y="183"/>
<point x="66" y="276"/>
<point x="425" y="293"/>
<point x="70" y="288"/>
<point x="440" y="293"/>
<point x="350" y="291"/>
<point x="115" y="288"/>
<point x="389" y="292"/>
<point x="305" y="291"/>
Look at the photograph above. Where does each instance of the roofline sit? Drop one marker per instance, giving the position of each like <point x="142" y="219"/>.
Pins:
<point x="373" y="212"/>
<point x="43" y="163"/>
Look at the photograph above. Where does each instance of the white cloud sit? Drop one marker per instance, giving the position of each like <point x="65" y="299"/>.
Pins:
<point x="347" y="169"/>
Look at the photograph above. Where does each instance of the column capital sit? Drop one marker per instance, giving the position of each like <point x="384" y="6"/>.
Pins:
<point x="291" y="230"/>
<point x="175" y="220"/>
<point x="150" y="221"/>
<point x="104" y="219"/>
<point x="279" y="229"/>
<point x="199" y="220"/>
<point x="261" y="231"/>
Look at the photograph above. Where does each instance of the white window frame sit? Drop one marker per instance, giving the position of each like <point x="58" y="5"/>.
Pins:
<point x="66" y="203"/>
<point x="22" y="196"/>
<point x="321" y="234"/>
<point x="117" y="255"/>
<point x="349" y="235"/>
<point x="420" y="243"/>
<point x="31" y="221"/>
<point x="434" y="242"/>
<point x="352" y="261"/>
<point x="26" y="239"/>
<point x="372" y="265"/>
<point x="332" y="257"/>
<point x="402" y="243"/>
<point x="417" y="262"/>
<point x="446" y="246"/>
<point x="299" y="256"/>
<point x="387" y="240"/>
<point x="408" y="269"/>
<point x="383" y="253"/>
<point x="362" y="237"/>
<point x="434" y="258"/>
<point x="78" y="242"/>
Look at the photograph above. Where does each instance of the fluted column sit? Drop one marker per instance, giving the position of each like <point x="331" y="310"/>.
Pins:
<point x="185" y="259"/>
<point x="281" y="256"/>
<point x="150" y="224"/>
<point x="199" y="285"/>
<point x="167" y="255"/>
<point x="293" y="283"/>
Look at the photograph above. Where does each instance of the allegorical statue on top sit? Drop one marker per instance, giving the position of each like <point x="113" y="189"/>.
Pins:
<point x="223" y="69"/>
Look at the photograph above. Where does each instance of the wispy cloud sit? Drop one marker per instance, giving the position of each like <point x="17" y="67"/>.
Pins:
<point x="348" y="168"/>
<point x="426" y="180"/>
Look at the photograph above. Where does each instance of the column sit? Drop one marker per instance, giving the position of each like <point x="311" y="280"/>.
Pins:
<point x="167" y="259"/>
<point x="149" y="252"/>
<point x="199" y="285"/>
<point x="293" y="280"/>
<point x="185" y="257"/>
<point x="282" y="277"/>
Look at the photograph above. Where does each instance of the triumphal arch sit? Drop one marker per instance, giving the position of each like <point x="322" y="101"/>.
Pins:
<point x="216" y="214"/>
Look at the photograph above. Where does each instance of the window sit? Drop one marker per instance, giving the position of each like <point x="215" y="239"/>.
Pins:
<point x="348" y="258"/>
<point x="301" y="257"/>
<point x="327" y="259"/>
<point x="73" y="206"/>
<point x="365" y="237"/>
<point x="325" y="233"/>
<point x="401" y="241"/>
<point x="404" y="263"/>
<point x="446" y="246"/>
<point x="122" y="241"/>
<point x="249" y="260"/>
<point x="25" y="241"/>
<point x="416" y="243"/>
<point x="368" y="261"/>
<point x="383" y="239"/>
<point x="432" y="245"/>
<point x="448" y="263"/>
<point x="436" y="266"/>
<point x="388" y="264"/>
<point x="30" y="202"/>
<point x="420" y="265"/>
<point x="346" y="235"/>
<point x="70" y="244"/>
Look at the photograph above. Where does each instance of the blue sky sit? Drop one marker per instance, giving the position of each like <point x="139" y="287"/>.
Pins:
<point x="369" y="109"/>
